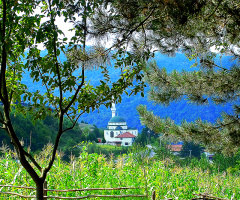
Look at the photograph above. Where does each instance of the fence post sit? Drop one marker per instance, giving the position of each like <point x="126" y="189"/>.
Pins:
<point x="153" y="195"/>
<point x="45" y="187"/>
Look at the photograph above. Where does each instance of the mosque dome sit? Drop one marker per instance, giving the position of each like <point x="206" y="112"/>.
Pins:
<point x="116" y="119"/>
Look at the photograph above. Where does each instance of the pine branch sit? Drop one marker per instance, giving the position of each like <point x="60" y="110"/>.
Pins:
<point x="222" y="136"/>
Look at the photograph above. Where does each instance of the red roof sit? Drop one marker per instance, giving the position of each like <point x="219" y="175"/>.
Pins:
<point x="175" y="147"/>
<point x="126" y="135"/>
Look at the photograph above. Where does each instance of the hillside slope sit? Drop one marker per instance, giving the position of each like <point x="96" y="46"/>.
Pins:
<point x="127" y="108"/>
<point x="178" y="111"/>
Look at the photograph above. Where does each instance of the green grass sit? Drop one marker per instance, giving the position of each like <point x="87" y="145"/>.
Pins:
<point x="96" y="171"/>
<point x="106" y="149"/>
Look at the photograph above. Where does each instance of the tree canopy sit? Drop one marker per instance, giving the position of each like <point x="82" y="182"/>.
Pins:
<point x="136" y="29"/>
<point x="205" y="37"/>
<point x="26" y="24"/>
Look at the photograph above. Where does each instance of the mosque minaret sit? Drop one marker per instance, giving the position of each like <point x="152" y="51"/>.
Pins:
<point x="117" y="131"/>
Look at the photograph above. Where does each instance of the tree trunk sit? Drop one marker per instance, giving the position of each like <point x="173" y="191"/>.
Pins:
<point x="39" y="191"/>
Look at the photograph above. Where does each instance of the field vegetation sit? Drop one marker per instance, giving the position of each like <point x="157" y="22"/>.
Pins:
<point x="170" y="177"/>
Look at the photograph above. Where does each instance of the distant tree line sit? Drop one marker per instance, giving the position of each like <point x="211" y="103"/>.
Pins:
<point x="35" y="134"/>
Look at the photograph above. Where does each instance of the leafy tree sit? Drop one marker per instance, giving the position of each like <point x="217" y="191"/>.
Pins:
<point x="36" y="134"/>
<point x="145" y="137"/>
<point x="103" y="140"/>
<point x="163" y="152"/>
<point x="214" y="26"/>
<point x="141" y="139"/>
<point x="67" y="94"/>
<point x="190" y="149"/>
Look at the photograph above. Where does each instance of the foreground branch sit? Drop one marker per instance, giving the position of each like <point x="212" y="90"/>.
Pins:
<point x="33" y="160"/>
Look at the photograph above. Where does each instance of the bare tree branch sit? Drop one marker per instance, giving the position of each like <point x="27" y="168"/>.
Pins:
<point x="55" y="57"/>
<point x="33" y="160"/>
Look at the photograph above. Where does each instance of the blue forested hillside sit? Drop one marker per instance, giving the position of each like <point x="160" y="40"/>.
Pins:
<point x="178" y="111"/>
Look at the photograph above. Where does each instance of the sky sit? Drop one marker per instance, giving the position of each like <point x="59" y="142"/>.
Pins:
<point x="66" y="27"/>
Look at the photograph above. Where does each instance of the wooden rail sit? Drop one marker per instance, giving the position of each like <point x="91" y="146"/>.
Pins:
<point x="82" y="197"/>
<point x="207" y="197"/>
<point x="73" y="190"/>
<point x="203" y="196"/>
<point x="33" y="188"/>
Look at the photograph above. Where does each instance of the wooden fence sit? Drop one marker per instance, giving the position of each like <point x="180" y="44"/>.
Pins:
<point x="207" y="197"/>
<point x="153" y="195"/>
<point x="74" y="190"/>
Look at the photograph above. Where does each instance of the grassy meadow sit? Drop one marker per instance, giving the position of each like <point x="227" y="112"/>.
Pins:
<point x="167" y="178"/>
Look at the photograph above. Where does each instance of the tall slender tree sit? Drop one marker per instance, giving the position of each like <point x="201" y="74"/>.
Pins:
<point x="66" y="94"/>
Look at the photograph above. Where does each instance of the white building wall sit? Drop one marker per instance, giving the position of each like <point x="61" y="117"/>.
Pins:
<point x="114" y="127"/>
<point x="107" y="135"/>
<point x="129" y="141"/>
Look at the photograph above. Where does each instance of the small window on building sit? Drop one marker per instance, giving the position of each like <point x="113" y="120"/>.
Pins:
<point x="126" y="143"/>
<point x="121" y="138"/>
<point x="111" y="134"/>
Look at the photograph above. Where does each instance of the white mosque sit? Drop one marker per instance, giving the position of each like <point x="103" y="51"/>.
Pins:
<point x="117" y="132"/>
